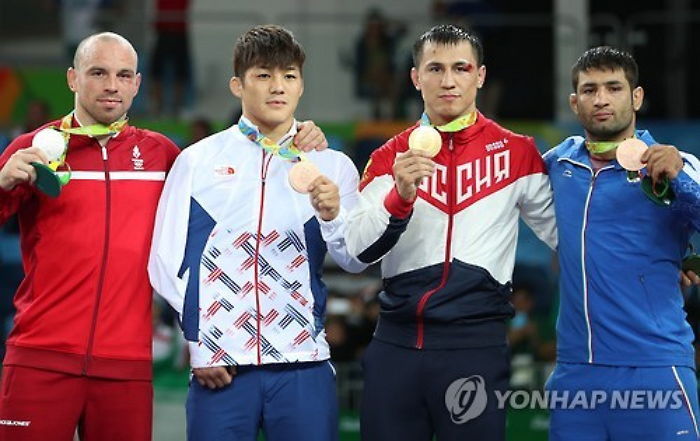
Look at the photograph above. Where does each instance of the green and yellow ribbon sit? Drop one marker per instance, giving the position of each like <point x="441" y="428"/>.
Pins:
<point x="94" y="131"/>
<point x="601" y="147"/>
<point x="455" y="125"/>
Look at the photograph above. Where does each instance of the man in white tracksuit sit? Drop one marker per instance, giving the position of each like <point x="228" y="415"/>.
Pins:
<point x="239" y="254"/>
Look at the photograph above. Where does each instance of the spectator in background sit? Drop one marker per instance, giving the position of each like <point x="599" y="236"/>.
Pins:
<point x="172" y="50"/>
<point x="36" y="116"/>
<point x="375" y="69"/>
<point x="523" y="335"/>
<point x="200" y="129"/>
<point x="80" y="19"/>
<point x="38" y="113"/>
<point x="338" y="336"/>
<point x="77" y="21"/>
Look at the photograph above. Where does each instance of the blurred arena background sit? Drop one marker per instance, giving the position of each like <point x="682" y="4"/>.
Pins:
<point x="358" y="90"/>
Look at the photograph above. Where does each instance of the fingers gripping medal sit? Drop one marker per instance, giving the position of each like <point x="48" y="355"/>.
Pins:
<point x="426" y="139"/>
<point x="629" y="155"/>
<point x="302" y="174"/>
<point x="53" y="143"/>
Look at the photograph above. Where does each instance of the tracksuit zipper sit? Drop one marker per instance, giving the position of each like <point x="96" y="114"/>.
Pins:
<point x="420" y="310"/>
<point x="105" y="253"/>
<point x="264" y="166"/>
<point x="584" y="226"/>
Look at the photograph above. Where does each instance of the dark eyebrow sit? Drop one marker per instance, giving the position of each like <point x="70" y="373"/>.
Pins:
<point x="99" y="68"/>
<point x="607" y="83"/>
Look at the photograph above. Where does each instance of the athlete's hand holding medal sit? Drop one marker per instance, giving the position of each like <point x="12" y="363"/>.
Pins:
<point x="424" y="143"/>
<point x="54" y="145"/>
<point x="662" y="162"/>
<point x="38" y="164"/>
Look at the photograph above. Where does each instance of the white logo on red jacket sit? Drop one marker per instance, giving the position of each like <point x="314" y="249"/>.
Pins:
<point x="136" y="158"/>
<point x="475" y="179"/>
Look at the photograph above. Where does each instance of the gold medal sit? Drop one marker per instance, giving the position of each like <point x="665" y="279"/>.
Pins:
<point x="425" y="139"/>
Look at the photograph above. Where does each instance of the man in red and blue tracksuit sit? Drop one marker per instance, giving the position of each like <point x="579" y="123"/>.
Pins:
<point x="445" y="230"/>
<point x="621" y="330"/>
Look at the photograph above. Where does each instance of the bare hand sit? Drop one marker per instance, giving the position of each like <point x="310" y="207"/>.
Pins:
<point x="662" y="160"/>
<point x="214" y="377"/>
<point x="410" y="169"/>
<point x="689" y="279"/>
<point x="18" y="168"/>
<point x="325" y="198"/>
<point x="310" y="137"/>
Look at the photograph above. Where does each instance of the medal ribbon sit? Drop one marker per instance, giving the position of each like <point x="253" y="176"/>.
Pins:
<point x="601" y="147"/>
<point x="455" y="125"/>
<point x="93" y="131"/>
<point x="289" y="152"/>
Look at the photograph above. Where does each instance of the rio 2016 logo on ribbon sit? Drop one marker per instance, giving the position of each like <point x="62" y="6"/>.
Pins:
<point x="466" y="398"/>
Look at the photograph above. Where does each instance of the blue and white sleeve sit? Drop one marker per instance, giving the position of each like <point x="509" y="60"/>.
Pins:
<point x="686" y="186"/>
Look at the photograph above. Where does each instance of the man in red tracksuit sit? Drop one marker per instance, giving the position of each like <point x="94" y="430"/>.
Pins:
<point x="79" y="354"/>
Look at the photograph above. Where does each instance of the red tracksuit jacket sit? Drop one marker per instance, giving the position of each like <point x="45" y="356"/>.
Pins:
<point x="84" y="306"/>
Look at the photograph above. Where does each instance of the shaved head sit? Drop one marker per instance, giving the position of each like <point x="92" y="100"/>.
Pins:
<point x="104" y="78"/>
<point x="86" y="47"/>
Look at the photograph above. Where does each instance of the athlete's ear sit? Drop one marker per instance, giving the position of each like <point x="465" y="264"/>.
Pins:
<point x="414" y="78"/>
<point x="573" y="103"/>
<point x="235" y="84"/>
<point x="637" y="98"/>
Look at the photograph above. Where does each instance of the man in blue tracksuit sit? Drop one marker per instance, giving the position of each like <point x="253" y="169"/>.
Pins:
<point x="621" y="327"/>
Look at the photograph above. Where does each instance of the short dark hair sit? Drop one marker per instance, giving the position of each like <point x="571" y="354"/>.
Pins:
<point x="448" y="34"/>
<point x="606" y="58"/>
<point x="267" y="45"/>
